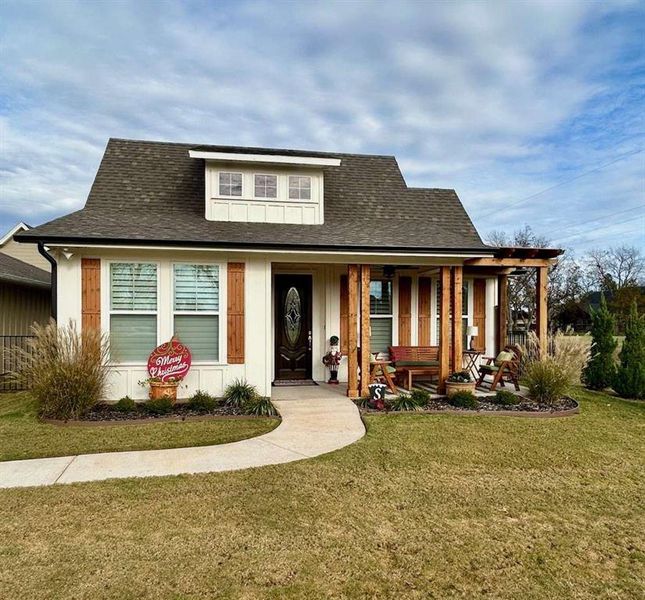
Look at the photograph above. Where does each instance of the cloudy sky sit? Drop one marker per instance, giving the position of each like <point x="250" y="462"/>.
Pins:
<point x="532" y="111"/>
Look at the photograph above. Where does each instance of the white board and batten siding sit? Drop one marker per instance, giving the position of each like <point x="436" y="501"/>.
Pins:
<point x="248" y="208"/>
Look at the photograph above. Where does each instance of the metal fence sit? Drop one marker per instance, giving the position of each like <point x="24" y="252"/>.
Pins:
<point x="10" y="358"/>
<point x="516" y="338"/>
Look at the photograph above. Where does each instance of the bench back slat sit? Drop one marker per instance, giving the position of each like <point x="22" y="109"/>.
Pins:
<point x="414" y="353"/>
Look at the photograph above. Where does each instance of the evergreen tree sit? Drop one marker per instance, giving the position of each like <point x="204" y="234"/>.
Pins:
<point x="599" y="372"/>
<point x="630" y="376"/>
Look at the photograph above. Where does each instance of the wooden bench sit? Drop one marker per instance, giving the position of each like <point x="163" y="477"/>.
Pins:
<point x="413" y="361"/>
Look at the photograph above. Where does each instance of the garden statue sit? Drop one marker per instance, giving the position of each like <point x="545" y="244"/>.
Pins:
<point x="332" y="359"/>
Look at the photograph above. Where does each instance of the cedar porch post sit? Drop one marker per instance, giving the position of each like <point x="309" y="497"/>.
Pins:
<point x="352" y="352"/>
<point x="365" y="329"/>
<point x="502" y="311"/>
<point x="444" y="334"/>
<point x="542" y="308"/>
<point x="457" y="281"/>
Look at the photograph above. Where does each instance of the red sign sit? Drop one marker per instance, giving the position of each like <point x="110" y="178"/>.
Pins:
<point x="170" y="361"/>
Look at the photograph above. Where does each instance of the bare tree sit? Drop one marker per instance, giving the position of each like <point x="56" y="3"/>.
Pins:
<point x="616" y="268"/>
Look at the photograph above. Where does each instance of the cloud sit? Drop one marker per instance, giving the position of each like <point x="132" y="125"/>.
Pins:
<point x="498" y="100"/>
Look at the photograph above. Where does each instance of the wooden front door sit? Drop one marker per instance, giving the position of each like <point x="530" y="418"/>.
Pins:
<point x="292" y="327"/>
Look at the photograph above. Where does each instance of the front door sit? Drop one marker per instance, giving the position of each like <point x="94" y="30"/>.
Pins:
<point x="292" y="327"/>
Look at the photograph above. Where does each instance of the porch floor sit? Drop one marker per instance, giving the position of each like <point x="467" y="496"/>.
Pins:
<point x="324" y="390"/>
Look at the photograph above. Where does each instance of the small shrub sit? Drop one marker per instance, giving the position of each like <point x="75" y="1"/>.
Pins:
<point x="261" y="406"/>
<point x="506" y="398"/>
<point x="66" y="369"/>
<point x="126" y="405"/>
<point x="159" y="406"/>
<point x="463" y="399"/>
<point x="403" y="402"/>
<point x="459" y="377"/>
<point x="420" y="397"/>
<point x="547" y="380"/>
<point x="599" y="373"/>
<point x="238" y="393"/>
<point x="364" y="402"/>
<point x="201" y="402"/>
<point x="629" y="381"/>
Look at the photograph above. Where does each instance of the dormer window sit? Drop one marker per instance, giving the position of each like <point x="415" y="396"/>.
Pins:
<point x="266" y="186"/>
<point x="230" y="184"/>
<point x="299" y="187"/>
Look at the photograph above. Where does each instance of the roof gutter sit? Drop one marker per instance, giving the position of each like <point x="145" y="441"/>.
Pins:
<point x="49" y="258"/>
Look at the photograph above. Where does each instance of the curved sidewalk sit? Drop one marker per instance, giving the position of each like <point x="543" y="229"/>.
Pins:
<point x="309" y="428"/>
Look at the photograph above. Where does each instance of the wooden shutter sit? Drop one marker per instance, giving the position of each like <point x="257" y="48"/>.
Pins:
<point x="424" y="308"/>
<point x="344" y="314"/>
<point x="405" y="311"/>
<point x="90" y="293"/>
<point x="479" y="313"/>
<point x="235" y="313"/>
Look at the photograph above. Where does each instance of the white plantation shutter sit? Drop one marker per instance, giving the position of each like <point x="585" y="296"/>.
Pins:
<point x="133" y="286"/>
<point x="196" y="305"/>
<point x="132" y="337"/>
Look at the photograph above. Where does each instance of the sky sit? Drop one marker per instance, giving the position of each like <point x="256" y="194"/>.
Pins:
<point x="533" y="112"/>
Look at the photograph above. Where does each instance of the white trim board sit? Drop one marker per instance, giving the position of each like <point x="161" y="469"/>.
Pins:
<point x="266" y="158"/>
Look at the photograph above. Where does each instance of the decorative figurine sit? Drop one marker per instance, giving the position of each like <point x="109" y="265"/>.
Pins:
<point x="332" y="359"/>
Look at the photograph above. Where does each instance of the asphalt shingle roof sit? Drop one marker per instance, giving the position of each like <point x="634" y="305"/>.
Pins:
<point x="153" y="192"/>
<point x="17" y="271"/>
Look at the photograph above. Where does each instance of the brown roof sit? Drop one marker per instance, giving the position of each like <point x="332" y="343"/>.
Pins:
<point x="19" y="272"/>
<point x="153" y="192"/>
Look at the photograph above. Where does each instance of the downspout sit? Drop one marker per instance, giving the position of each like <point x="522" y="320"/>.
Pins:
<point x="54" y="280"/>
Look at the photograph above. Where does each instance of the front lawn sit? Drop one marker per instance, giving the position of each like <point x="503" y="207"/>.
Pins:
<point x="23" y="436"/>
<point x="425" y="506"/>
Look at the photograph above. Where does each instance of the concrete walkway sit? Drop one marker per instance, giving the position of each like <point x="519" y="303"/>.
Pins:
<point x="310" y="427"/>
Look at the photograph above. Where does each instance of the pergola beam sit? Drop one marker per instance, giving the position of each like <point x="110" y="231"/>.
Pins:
<point x="508" y="262"/>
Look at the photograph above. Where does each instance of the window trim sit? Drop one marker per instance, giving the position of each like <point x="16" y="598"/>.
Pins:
<point x="108" y="303"/>
<point x="277" y="186"/>
<point x="219" y="189"/>
<point x="217" y="313"/>
<point x="299" y="198"/>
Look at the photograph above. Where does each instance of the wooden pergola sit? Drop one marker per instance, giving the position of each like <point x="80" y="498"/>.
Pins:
<point x="505" y="261"/>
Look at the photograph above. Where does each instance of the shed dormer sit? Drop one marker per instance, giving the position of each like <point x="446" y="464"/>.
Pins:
<point x="264" y="188"/>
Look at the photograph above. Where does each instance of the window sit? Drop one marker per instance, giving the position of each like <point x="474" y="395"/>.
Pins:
<point x="380" y="315"/>
<point x="266" y="186"/>
<point x="464" y="313"/>
<point x="196" y="309"/>
<point x="133" y="311"/>
<point x="230" y="184"/>
<point x="299" y="188"/>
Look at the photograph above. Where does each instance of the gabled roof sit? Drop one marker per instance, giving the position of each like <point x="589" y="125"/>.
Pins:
<point x="16" y="271"/>
<point x="153" y="193"/>
<point x="15" y="229"/>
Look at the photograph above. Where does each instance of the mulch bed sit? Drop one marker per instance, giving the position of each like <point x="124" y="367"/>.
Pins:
<point x="564" y="407"/>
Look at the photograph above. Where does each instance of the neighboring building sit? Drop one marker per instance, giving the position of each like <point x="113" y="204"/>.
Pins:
<point x="254" y="257"/>
<point x="25" y="287"/>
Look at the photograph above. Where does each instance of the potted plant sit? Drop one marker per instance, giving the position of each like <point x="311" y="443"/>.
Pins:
<point x="458" y="382"/>
<point x="162" y="389"/>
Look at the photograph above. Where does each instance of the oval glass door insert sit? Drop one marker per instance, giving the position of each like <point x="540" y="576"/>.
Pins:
<point x="292" y="316"/>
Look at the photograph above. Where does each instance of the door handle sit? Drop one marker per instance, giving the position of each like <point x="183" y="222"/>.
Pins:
<point x="309" y="341"/>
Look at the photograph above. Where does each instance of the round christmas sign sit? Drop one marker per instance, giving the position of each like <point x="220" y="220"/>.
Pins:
<point x="170" y="361"/>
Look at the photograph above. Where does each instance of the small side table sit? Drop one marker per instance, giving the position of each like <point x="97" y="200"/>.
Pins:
<point x="375" y="376"/>
<point x="471" y="358"/>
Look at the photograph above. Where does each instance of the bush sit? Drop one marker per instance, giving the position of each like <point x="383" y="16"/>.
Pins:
<point x="505" y="398"/>
<point x="403" y="402"/>
<point x="463" y="399"/>
<point x="159" y="406"/>
<point x="601" y="369"/>
<point x="202" y="402"/>
<point x="629" y="381"/>
<point x="420" y="397"/>
<point x="260" y="406"/>
<point x="238" y="393"/>
<point x="547" y="380"/>
<point x="65" y="369"/>
<point x="126" y="405"/>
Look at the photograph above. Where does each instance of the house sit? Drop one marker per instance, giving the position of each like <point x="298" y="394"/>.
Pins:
<point x="255" y="257"/>
<point x="25" y="295"/>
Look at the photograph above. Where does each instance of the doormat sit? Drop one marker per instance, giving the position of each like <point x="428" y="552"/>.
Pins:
<point x="286" y="382"/>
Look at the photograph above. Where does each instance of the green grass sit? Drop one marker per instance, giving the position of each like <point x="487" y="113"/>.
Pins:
<point x="423" y="507"/>
<point x="23" y="436"/>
